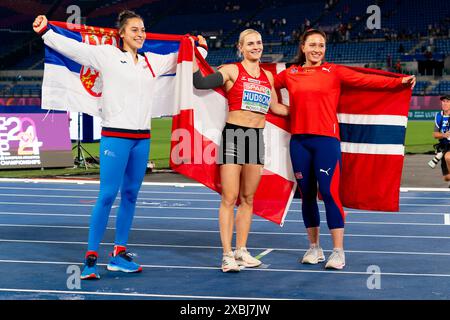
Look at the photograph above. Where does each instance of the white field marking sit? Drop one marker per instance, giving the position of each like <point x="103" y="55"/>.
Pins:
<point x="249" y="269"/>
<point x="145" y="245"/>
<point x="212" y="219"/>
<point x="447" y="219"/>
<point x="251" y="232"/>
<point x="264" y="253"/>
<point x="141" y="295"/>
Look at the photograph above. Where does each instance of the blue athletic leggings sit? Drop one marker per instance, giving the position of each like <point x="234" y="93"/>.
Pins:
<point x="123" y="163"/>
<point x="317" y="160"/>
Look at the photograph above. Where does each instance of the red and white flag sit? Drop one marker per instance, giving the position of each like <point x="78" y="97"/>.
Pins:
<point x="196" y="134"/>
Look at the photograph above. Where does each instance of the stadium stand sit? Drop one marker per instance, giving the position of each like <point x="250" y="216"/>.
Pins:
<point x="410" y="32"/>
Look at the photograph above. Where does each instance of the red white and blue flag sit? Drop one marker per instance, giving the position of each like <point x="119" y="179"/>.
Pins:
<point x="373" y="128"/>
<point x="69" y="86"/>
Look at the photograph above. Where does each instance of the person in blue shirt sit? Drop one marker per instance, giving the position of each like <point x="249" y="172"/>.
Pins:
<point x="442" y="132"/>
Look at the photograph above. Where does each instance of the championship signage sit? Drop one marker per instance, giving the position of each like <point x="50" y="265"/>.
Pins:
<point x="34" y="140"/>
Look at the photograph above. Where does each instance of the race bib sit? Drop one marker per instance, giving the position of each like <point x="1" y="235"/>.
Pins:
<point x="255" y="98"/>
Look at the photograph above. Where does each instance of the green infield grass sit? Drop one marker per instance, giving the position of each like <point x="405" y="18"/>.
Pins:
<point x="419" y="139"/>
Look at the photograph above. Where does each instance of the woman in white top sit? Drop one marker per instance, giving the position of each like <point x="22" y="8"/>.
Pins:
<point x="126" y="109"/>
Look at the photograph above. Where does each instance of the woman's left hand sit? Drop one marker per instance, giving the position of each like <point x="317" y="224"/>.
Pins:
<point x="411" y="81"/>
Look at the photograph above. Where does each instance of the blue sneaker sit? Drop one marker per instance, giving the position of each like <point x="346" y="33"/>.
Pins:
<point x="90" y="268"/>
<point x="123" y="261"/>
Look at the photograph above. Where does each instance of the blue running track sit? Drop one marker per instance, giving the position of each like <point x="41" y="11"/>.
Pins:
<point x="44" y="229"/>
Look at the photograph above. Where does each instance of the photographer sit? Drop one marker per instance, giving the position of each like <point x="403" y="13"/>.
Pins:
<point x="442" y="132"/>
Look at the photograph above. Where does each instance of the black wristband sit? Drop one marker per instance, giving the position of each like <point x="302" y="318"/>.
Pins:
<point x="44" y="31"/>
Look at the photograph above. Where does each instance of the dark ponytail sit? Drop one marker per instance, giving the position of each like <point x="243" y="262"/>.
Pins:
<point x="300" y="59"/>
<point x="123" y="18"/>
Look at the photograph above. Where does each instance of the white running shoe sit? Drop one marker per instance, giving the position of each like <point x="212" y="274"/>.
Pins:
<point x="244" y="258"/>
<point x="336" y="260"/>
<point x="314" y="255"/>
<point x="229" y="264"/>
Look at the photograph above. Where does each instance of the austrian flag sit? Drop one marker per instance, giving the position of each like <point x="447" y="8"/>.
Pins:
<point x="196" y="135"/>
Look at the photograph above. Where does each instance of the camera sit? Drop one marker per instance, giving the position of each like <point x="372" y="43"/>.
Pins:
<point x="433" y="162"/>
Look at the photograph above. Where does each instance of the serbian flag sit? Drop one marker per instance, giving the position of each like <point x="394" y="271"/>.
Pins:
<point x="196" y="136"/>
<point x="69" y="86"/>
<point x="373" y="128"/>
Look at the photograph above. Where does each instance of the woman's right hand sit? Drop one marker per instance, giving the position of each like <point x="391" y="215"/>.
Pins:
<point x="40" y="24"/>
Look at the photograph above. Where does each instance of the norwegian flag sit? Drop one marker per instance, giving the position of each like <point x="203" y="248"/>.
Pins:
<point x="373" y="128"/>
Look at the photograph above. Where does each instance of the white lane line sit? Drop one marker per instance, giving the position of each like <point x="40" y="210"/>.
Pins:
<point x="206" y="192"/>
<point x="249" y="269"/>
<point x="86" y="181"/>
<point x="141" y="295"/>
<point x="175" y="218"/>
<point x="251" y="232"/>
<point x="447" y="219"/>
<point x="12" y="195"/>
<point x="145" y="245"/>
<point x="425" y="189"/>
<point x="95" y="197"/>
<point x="150" y="192"/>
<point x="427" y="198"/>
<point x="46" y="204"/>
<point x="176" y="207"/>
<point x="96" y="191"/>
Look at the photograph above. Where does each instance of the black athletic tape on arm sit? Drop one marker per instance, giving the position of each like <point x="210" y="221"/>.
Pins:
<point x="211" y="81"/>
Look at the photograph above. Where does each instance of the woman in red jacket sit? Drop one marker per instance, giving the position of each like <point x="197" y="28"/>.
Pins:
<point x="314" y="87"/>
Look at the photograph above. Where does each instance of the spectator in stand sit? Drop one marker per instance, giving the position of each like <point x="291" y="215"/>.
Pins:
<point x="398" y="66"/>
